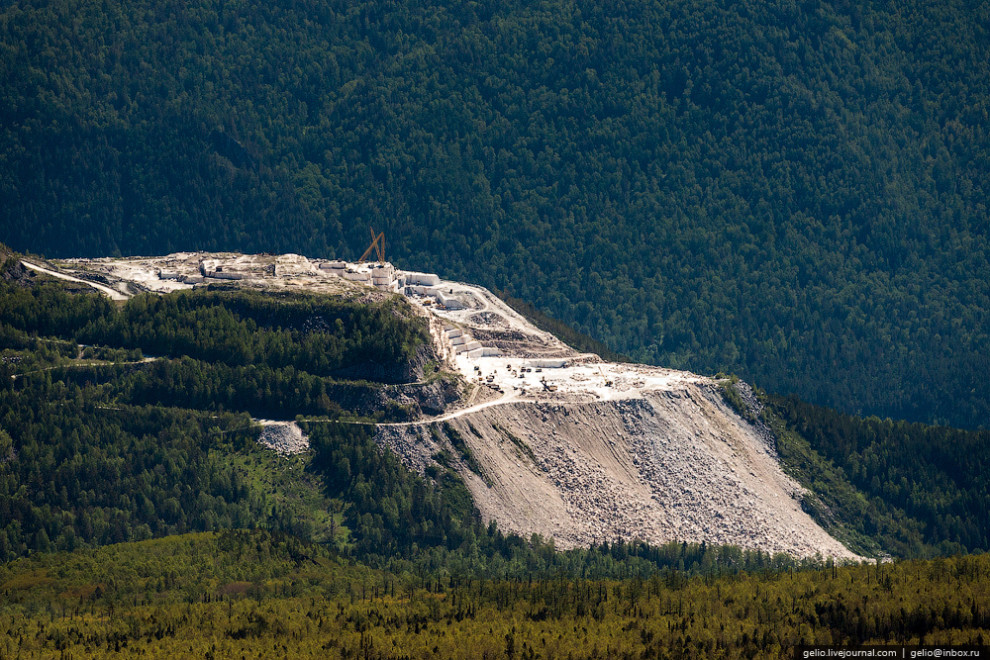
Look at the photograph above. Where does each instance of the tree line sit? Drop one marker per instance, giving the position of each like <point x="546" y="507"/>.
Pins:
<point x="257" y="593"/>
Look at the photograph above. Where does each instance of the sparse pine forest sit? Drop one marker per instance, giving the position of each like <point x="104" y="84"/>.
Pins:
<point x="261" y="595"/>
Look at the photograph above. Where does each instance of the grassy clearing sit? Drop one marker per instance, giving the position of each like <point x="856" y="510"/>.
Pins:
<point x="294" y="494"/>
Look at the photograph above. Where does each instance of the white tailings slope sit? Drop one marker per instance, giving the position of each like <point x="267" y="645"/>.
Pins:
<point x="672" y="465"/>
<point x="286" y="438"/>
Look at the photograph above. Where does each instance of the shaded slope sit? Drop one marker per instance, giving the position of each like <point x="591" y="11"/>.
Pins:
<point x="915" y="490"/>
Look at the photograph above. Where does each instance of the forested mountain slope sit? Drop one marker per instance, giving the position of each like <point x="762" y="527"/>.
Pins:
<point x="794" y="192"/>
<point x="123" y="421"/>
<point x="102" y="443"/>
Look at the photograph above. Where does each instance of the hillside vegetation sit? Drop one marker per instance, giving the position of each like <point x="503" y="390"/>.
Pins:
<point x="795" y="192"/>
<point x="99" y="444"/>
<point x="915" y="490"/>
<point x="879" y="486"/>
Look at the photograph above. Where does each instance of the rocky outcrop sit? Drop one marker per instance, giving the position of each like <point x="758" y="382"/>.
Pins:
<point x="402" y="401"/>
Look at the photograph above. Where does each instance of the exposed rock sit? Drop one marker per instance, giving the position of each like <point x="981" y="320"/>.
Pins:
<point x="16" y="272"/>
<point x="674" y="465"/>
<point x="284" y="437"/>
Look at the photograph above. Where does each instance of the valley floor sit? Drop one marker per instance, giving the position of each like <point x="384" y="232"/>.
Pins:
<point x="249" y="594"/>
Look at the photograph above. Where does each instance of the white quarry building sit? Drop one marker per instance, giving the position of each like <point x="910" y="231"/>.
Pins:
<point x="384" y="275"/>
<point x="380" y="275"/>
<point x="420" y="290"/>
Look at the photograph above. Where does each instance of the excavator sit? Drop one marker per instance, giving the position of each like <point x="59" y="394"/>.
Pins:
<point x="378" y="245"/>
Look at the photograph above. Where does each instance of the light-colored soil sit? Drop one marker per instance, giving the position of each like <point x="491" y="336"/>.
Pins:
<point x="112" y="293"/>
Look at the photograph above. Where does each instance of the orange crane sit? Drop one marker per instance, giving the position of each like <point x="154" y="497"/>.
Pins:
<point x="378" y="245"/>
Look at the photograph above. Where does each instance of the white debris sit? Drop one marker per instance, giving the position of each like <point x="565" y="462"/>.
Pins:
<point x="284" y="437"/>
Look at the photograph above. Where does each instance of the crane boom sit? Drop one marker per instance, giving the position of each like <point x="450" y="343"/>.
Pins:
<point x="377" y="245"/>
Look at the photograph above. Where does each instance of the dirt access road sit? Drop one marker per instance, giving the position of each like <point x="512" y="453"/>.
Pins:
<point x="113" y="293"/>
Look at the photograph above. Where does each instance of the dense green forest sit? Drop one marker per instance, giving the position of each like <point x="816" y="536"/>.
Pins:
<point x="255" y="594"/>
<point x="794" y="192"/>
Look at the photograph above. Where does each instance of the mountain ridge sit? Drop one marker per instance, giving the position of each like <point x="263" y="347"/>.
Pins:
<point x="794" y="193"/>
<point x="486" y="421"/>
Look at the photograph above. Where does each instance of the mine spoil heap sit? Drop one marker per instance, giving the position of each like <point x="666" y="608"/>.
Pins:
<point x="548" y="440"/>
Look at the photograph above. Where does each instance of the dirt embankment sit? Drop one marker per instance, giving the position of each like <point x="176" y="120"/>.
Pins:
<point x="674" y="464"/>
